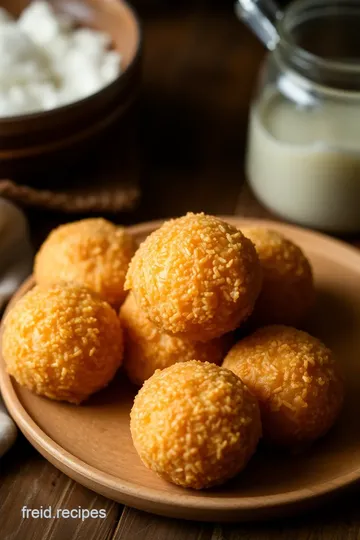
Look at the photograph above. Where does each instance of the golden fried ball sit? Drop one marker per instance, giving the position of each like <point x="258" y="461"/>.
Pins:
<point x="90" y="252"/>
<point x="196" y="277"/>
<point x="148" y="349"/>
<point x="195" y="424"/>
<point x="62" y="342"/>
<point x="288" y="290"/>
<point x="296" y="380"/>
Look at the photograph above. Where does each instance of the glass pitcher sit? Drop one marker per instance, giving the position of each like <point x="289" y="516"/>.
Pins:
<point x="303" y="156"/>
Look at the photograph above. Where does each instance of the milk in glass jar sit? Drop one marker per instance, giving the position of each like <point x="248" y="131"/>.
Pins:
<point x="303" y="156"/>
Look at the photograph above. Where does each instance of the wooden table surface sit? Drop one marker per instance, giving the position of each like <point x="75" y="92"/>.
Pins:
<point x="200" y="66"/>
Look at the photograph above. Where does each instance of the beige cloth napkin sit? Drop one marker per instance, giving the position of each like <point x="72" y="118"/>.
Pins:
<point x="15" y="266"/>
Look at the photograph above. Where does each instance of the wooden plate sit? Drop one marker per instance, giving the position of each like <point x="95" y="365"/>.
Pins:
<point x="92" y="444"/>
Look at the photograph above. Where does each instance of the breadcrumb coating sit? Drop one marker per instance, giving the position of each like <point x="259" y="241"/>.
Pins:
<point x="90" y="252"/>
<point x="288" y="290"/>
<point x="148" y="349"/>
<point x="195" y="424"/>
<point x="296" y="380"/>
<point x="62" y="342"/>
<point x="196" y="277"/>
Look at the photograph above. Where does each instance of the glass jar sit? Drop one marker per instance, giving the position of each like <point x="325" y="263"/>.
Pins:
<point x="303" y="157"/>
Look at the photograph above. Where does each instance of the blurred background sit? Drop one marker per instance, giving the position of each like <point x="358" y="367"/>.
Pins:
<point x="183" y="149"/>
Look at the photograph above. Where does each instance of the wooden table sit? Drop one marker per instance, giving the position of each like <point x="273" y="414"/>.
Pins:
<point x="199" y="72"/>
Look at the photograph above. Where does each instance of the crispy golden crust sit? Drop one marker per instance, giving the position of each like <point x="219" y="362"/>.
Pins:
<point x="62" y="342"/>
<point x="296" y="380"/>
<point x="90" y="252"/>
<point x="148" y="349"/>
<point x="196" y="277"/>
<point x="288" y="291"/>
<point x="195" y="424"/>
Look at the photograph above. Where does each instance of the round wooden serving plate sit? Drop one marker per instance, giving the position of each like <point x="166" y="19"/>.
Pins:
<point x="92" y="444"/>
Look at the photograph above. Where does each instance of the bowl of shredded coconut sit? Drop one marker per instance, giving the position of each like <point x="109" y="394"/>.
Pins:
<point x="68" y="69"/>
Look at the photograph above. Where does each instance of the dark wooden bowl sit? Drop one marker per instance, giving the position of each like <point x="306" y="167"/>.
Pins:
<point x="39" y="139"/>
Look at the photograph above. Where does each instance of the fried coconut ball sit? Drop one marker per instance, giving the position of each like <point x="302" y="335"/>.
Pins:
<point x="288" y="290"/>
<point x="294" y="377"/>
<point x="196" y="277"/>
<point x="90" y="252"/>
<point x="62" y="342"/>
<point x="148" y="349"/>
<point x="195" y="424"/>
